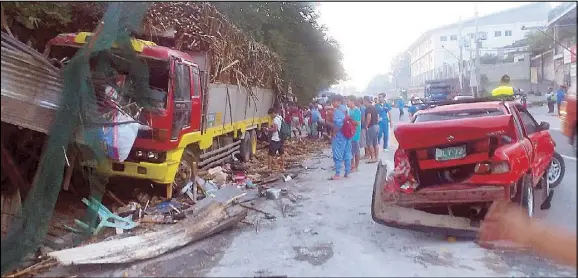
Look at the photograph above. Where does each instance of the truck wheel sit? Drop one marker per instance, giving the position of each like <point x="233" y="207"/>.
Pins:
<point x="253" y="142"/>
<point x="245" y="147"/>
<point x="185" y="170"/>
<point x="527" y="193"/>
<point x="556" y="171"/>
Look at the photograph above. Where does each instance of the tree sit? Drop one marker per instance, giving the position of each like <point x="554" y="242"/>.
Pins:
<point x="311" y="60"/>
<point x="489" y="59"/>
<point x="539" y="42"/>
<point x="380" y="83"/>
<point x="401" y="70"/>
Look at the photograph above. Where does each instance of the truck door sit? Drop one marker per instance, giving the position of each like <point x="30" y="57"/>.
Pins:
<point x="542" y="145"/>
<point x="196" y="98"/>
<point x="181" y="98"/>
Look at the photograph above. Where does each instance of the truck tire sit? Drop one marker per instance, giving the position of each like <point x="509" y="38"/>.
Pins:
<point x="253" y="142"/>
<point x="245" y="147"/>
<point x="556" y="171"/>
<point x="185" y="171"/>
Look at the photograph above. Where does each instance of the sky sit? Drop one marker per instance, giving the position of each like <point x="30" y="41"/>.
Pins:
<point x="370" y="34"/>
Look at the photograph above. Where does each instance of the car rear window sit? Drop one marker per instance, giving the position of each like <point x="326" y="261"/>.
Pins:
<point x="452" y="115"/>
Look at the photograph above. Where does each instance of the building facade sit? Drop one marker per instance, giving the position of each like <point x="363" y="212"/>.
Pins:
<point x="436" y="54"/>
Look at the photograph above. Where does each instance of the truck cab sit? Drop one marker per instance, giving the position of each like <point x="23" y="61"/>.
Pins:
<point x="436" y="91"/>
<point x="186" y="122"/>
<point x="175" y="95"/>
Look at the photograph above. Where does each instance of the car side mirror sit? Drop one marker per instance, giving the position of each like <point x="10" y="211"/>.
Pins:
<point x="544" y="126"/>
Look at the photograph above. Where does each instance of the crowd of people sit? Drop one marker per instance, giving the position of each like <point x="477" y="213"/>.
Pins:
<point x="556" y="98"/>
<point x="372" y="118"/>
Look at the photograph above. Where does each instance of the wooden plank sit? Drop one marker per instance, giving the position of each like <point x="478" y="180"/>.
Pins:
<point x="210" y="219"/>
<point x="12" y="171"/>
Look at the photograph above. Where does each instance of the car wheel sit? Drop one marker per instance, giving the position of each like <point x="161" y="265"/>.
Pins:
<point x="575" y="145"/>
<point x="528" y="195"/>
<point x="556" y="170"/>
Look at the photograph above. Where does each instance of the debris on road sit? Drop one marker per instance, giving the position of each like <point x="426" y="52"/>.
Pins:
<point x="273" y="193"/>
<point x="213" y="216"/>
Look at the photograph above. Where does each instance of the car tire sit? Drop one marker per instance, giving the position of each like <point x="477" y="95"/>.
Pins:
<point x="558" y="168"/>
<point x="575" y="143"/>
<point x="527" y="194"/>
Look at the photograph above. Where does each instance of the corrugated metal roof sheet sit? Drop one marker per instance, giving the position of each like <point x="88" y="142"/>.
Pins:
<point x="31" y="87"/>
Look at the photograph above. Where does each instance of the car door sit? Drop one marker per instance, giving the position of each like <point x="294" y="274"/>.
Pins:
<point x="542" y="144"/>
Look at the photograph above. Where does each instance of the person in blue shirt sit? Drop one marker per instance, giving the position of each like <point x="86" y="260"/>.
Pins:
<point x="560" y="95"/>
<point x="363" y="135"/>
<point x="355" y="114"/>
<point x="383" y="110"/>
<point x="400" y="104"/>
<point x="340" y="145"/>
<point x="315" y="117"/>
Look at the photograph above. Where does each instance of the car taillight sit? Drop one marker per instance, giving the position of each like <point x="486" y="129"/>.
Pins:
<point x="482" y="146"/>
<point x="399" y="157"/>
<point x="421" y="154"/>
<point x="500" y="167"/>
<point x="160" y="134"/>
<point x="492" y="167"/>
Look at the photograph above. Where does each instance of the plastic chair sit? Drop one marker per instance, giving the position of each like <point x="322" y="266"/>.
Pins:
<point x="107" y="218"/>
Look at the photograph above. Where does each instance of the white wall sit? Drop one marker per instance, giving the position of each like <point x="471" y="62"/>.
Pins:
<point x="489" y="45"/>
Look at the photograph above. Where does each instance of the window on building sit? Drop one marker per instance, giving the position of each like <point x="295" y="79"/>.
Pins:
<point x="471" y="35"/>
<point x="497" y="33"/>
<point x="443" y="38"/>
<point x="454" y="37"/>
<point x="508" y="33"/>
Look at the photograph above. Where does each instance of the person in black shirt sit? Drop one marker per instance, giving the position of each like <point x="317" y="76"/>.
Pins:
<point x="372" y="129"/>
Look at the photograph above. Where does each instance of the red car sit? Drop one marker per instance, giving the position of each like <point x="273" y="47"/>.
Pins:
<point x="455" y="159"/>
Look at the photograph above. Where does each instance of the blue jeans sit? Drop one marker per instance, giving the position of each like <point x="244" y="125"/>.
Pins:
<point x="338" y="164"/>
<point x="383" y="133"/>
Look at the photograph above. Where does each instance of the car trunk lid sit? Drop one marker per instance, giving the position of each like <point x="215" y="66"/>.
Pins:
<point x="453" y="142"/>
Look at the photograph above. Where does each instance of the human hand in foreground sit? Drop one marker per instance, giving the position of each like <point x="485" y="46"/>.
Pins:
<point x="506" y="221"/>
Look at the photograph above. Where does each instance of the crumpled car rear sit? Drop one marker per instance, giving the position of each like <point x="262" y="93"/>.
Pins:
<point x="429" y="192"/>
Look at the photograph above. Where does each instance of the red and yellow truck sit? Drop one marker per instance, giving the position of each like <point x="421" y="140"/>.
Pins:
<point x="193" y="120"/>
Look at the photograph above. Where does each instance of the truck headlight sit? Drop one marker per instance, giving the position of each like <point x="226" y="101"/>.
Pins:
<point x="153" y="155"/>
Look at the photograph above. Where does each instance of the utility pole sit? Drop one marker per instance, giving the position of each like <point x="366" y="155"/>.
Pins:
<point x="475" y="75"/>
<point x="460" y="60"/>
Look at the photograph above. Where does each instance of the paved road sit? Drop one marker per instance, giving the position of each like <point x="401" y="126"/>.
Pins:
<point x="327" y="230"/>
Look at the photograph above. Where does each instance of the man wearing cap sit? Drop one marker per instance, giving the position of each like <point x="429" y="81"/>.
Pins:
<point x="504" y="89"/>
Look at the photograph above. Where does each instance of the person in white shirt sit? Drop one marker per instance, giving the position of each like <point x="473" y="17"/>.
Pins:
<point x="276" y="142"/>
<point x="550" y="100"/>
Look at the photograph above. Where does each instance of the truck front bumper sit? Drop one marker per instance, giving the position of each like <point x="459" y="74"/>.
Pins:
<point x="163" y="173"/>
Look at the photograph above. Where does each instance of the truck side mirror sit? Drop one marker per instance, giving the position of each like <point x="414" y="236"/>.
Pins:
<point x="544" y="126"/>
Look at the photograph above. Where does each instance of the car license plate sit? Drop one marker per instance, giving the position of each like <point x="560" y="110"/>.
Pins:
<point x="450" y="153"/>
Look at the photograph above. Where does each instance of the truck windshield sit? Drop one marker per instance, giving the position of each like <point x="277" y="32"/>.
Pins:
<point x="158" y="72"/>
<point x="452" y="115"/>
